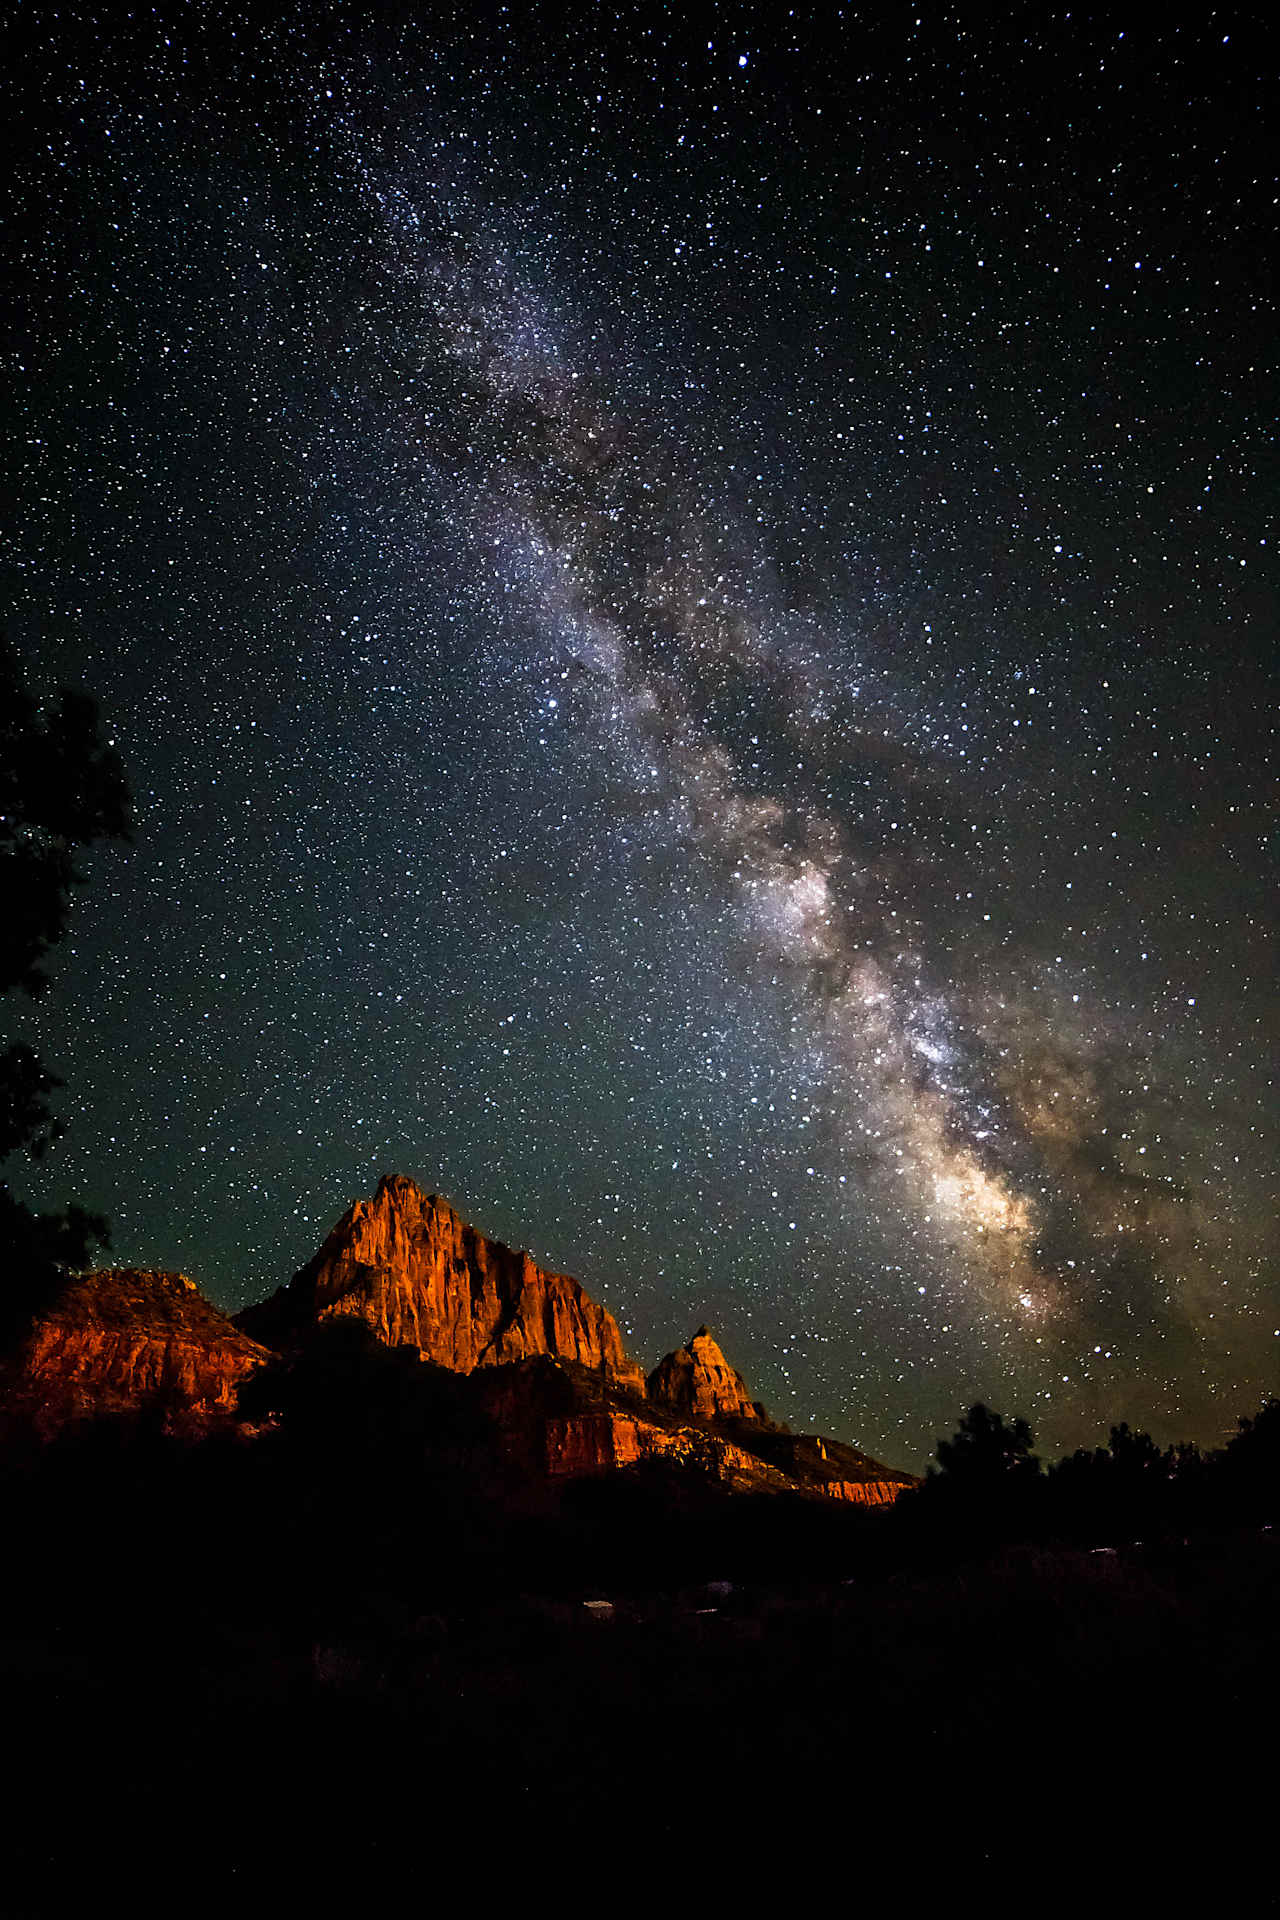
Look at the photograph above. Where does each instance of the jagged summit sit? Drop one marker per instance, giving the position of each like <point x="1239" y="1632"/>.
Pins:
<point x="697" y="1380"/>
<point x="417" y="1273"/>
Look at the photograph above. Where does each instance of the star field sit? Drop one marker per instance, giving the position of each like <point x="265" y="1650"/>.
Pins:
<point x="690" y="614"/>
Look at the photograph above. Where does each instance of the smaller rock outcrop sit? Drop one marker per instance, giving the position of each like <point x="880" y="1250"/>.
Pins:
<point x="698" y="1382"/>
<point x="867" y="1493"/>
<point x="116" y="1339"/>
<point x="567" y="1421"/>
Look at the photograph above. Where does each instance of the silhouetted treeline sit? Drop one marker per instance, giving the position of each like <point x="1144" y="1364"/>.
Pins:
<point x="990" y="1488"/>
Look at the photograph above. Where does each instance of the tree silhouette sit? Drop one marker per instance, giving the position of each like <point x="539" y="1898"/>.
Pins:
<point x="62" y="787"/>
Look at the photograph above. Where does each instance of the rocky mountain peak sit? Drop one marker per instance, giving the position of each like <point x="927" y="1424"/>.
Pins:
<point x="415" y="1271"/>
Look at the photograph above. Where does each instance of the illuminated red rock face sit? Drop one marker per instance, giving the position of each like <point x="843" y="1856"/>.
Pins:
<point x="408" y="1266"/>
<point x="698" y="1380"/>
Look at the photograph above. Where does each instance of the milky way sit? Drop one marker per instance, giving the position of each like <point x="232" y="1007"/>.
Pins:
<point x="688" y="616"/>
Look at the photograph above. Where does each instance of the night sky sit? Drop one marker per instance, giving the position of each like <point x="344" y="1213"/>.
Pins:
<point x="688" y="605"/>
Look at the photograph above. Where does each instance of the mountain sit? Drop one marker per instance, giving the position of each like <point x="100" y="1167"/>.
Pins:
<point x="124" y="1336"/>
<point x="544" y="1362"/>
<point x="419" y="1275"/>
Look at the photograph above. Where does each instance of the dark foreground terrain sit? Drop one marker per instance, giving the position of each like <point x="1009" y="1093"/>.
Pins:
<point x="232" y="1689"/>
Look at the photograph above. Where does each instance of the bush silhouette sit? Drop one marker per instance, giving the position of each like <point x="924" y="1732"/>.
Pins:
<point x="986" y="1483"/>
